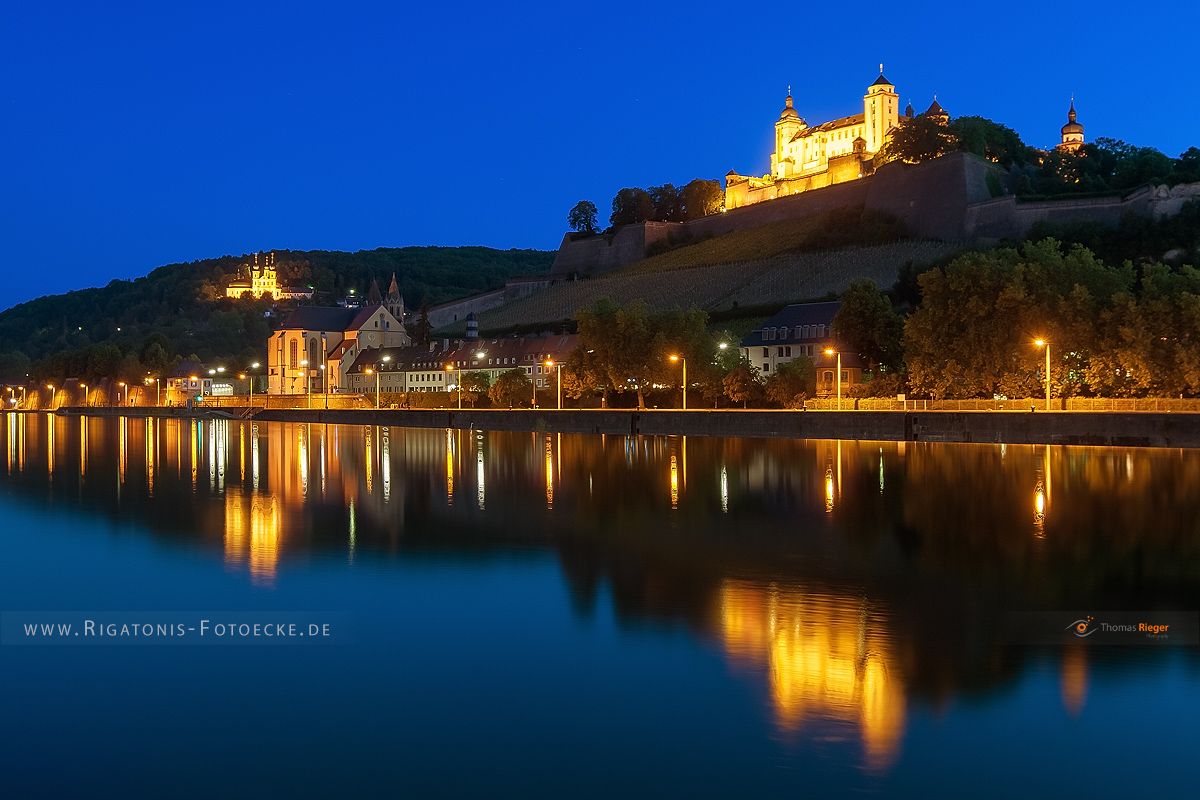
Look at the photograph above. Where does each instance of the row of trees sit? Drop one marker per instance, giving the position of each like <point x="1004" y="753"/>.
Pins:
<point x="1099" y="166"/>
<point x="1114" y="331"/>
<point x="665" y="203"/>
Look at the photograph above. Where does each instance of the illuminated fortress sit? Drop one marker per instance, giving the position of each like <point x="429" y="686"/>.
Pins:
<point x="814" y="156"/>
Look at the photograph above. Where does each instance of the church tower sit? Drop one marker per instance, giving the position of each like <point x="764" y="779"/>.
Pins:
<point x="395" y="302"/>
<point x="1072" y="132"/>
<point x="881" y="111"/>
<point x="788" y="125"/>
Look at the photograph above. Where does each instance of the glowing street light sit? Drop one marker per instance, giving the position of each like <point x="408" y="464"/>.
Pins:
<point x="457" y="383"/>
<point x="307" y="383"/>
<point x="678" y="358"/>
<point x="829" y="351"/>
<point x="558" y="378"/>
<point x="121" y="384"/>
<point x="85" y="399"/>
<point x="253" y="368"/>
<point x="1040" y="342"/>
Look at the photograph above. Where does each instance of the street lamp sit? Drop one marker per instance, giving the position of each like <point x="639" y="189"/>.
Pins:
<point x="121" y="384"/>
<point x="829" y="351"/>
<point x="84" y="387"/>
<point x="369" y="371"/>
<point x="557" y="378"/>
<point x="457" y="383"/>
<point x="50" y="386"/>
<point x="307" y="383"/>
<point x="324" y="386"/>
<point x="1040" y="342"/>
<point x="673" y="358"/>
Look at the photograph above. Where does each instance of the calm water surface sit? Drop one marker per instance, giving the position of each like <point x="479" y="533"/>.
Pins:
<point x="560" y="615"/>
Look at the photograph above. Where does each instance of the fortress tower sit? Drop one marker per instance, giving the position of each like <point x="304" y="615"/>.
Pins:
<point x="1072" y="132"/>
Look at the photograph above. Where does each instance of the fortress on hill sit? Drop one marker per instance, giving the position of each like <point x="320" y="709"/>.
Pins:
<point x="844" y="149"/>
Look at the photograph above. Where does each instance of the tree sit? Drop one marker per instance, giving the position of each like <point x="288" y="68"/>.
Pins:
<point x="972" y="335"/>
<point x="742" y="384"/>
<point x="865" y="324"/>
<point x="14" y="366"/>
<point x="631" y="205"/>
<point x="667" y="203"/>
<point x="699" y="198"/>
<point x="792" y="382"/>
<point x="510" y="389"/>
<point x="918" y="139"/>
<point x="582" y="217"/>
<point x="997" y="143"/>
<point x="630" y="348"/>
<point x="473" y="385"/>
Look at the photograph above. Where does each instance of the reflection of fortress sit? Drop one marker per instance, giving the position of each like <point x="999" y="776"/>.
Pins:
<point x="829" y="659"/>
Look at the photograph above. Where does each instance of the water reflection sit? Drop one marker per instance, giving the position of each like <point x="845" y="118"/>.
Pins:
<point x="855" y="581"/>
<point x="829" y="659"/>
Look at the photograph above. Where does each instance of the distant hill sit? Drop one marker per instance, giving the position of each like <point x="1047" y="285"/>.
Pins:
<point x="180" y="308"/>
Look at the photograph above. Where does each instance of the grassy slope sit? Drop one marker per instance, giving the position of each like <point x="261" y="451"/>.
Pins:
<point x="835" y="229"/>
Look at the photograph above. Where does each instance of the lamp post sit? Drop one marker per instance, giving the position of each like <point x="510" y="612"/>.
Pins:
<point x="324" y="386"/>
<point x="684" y="361"/>
<point x="50" y="386"/>
<point x="829" y="351"/>
<point x="369" y="371"/>
<point x="253" y="369"/>
<point x="307" y="383"/>
<point x="457" y="383"/>
<point x="121" y="385"/>
<point x="1040" y="342"/>
<point x="84" y="387"/>
<point x="557" y="378"/>
<point x="383" y="360"/>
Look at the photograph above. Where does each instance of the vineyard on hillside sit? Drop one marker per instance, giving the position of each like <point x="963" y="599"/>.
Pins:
<point x="787" y="278"/>
<point x="850" y="226"/>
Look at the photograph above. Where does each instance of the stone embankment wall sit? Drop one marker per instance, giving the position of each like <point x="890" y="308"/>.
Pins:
<point x="1072" y="428"/>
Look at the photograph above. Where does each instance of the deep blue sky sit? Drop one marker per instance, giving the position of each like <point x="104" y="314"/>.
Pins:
<point x="138" y="135"/>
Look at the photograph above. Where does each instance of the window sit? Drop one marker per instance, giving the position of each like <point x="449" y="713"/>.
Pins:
<point x="779" y="352"/>
<point x="845" y="376"/>
<point x="787" y="351"/>
<point x="766" y="367"/>
<point x="293" y="354"/>
<point x="783" y="332"/>
<point x="766" y="352"/>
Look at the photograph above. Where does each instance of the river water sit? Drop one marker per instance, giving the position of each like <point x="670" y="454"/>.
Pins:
<point x="568" y="615"/>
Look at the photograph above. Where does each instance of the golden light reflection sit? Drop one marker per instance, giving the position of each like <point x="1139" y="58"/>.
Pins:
<point x="480" y="490"/>
<point x="368" y="462"/>
<point x="302" y="457"/>
<point x="385" y="463"/>
<point x="150" y="451"/>
<point x="194" y="448"/>
<point x="1039" y="510"/>
<point x="724" y="489"/>
<point x="828" y="491"/>
<point x="254" y="456"/>
<point x="50" y="447"/>
<point x="449" y="467"/>
<point x="83" y="446"/>
<point x="674" y="483"/>
<point x="252" y="533"/>
<point x="1074" y="678"/>
<point x="122" y="449"/>
<point x="549" y="446"/>
<point x="829" y="659"/>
